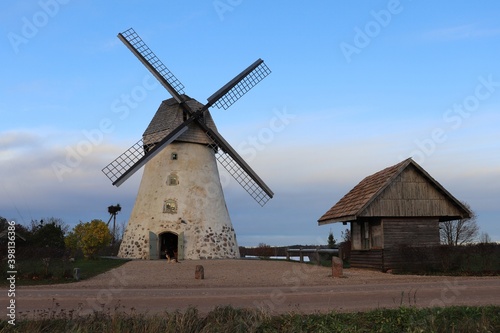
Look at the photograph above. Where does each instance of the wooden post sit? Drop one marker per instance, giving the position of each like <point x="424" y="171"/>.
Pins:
<point x="301" y="255"/>
<point x="199" y="273"/>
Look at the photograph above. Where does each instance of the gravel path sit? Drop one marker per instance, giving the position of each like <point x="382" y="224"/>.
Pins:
<point x="236" y="273"/>
<point x="154" y="286"/>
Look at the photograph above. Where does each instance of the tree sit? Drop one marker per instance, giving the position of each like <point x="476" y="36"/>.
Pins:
<point x="346" y="236"/>
<point x="71" y="242"/>
<point x="47" y="235"/>
<point x="3" y="223"/>
<point x="90" y="237"/>
<point x="21" y="231"/>
<point x="331" y="240"/>
<point x="485" y="238"/>
<point x="459" y="232"/>
<point x="49" y="220"/>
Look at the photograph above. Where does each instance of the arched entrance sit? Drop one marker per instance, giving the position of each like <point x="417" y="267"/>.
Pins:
<point x="169" y="243"/>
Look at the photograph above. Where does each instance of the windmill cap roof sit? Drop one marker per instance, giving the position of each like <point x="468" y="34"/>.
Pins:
<point x="170" y="115"/>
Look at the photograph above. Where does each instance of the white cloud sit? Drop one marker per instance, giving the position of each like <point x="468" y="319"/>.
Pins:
<point x="32" y="189"/>
<point x="307" y="180"/>
<point x="466" y="31"/>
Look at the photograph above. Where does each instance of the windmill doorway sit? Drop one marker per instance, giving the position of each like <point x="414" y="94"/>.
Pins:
<point x="169" y="243"/>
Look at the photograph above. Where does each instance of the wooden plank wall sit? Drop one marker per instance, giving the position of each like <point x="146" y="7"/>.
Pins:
<point x="407" y="232"/>
<point x="367" y="259"/>
<point x="393" y="259"/>
<point x="411" y="258"/>
<point x="411" y="195"/>
<point x="411" y="232"/>
<point x="356" y="236"/>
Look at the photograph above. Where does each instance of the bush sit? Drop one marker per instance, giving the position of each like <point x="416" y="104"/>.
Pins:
<point x="91" y="237"/>
<point x="47" y="235"/>
<point x="475" y="259"/>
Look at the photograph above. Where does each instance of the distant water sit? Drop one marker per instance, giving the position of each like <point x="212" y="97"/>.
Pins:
<point x="294" y="258"/>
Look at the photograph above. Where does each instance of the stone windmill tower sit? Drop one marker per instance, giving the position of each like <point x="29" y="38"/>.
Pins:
<point x="180" y="206"/>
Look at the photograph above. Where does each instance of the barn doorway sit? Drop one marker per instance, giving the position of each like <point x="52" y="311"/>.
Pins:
<point x="168" y="244"/>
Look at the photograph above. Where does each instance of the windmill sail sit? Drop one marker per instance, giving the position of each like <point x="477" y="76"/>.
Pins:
<point x="259" y="191"/>
<point x="240" y="85"/>
<point x="137" y="155"/>
<point x="135" y="44"/>
<point x="240" y="170"/>
<point x="149" y="146"/>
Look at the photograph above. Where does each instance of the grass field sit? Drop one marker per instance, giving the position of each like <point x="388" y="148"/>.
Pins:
<point x="49" y="271"/>
<point x="231" y="320"/>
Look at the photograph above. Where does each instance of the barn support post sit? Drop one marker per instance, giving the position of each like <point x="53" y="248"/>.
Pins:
<point x="318" y="257"/>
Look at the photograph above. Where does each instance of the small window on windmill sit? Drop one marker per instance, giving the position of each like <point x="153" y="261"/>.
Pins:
<point x="172" y="180"/>
<point x="173" y="156"/>
<point x="170" y="206"/>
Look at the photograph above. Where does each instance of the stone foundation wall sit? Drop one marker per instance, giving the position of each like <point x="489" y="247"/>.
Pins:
<point x="215" y="244"/>
<point x="199" y="243"/>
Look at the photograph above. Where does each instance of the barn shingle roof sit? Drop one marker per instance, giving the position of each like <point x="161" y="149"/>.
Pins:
<point x="356" y="201"/>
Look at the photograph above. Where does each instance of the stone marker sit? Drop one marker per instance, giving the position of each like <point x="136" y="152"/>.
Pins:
<point x="337" y="266"/>
<point x="199" y="273"/>
<point x="76" y="273"/>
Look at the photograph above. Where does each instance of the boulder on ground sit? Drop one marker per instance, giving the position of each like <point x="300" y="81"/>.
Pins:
<point x="337" y="267"/>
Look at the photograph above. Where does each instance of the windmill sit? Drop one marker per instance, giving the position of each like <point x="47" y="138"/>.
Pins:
<point x="180" y="206"/>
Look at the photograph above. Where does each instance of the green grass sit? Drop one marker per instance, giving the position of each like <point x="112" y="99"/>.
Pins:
<point x="36" y="271"/>
<point x="227" y="319"/>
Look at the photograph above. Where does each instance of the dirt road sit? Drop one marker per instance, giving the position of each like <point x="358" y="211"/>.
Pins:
<point x="155" y="286"/>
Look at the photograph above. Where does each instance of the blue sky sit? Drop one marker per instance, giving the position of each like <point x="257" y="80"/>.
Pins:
<point x="355" y="87"/>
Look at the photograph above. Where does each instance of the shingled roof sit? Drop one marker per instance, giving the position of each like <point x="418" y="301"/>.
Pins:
<point x="357" y="202"/>
<point x="170" y="115"/>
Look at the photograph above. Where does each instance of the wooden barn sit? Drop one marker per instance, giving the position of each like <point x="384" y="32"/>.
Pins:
<point x="401" y="205"/>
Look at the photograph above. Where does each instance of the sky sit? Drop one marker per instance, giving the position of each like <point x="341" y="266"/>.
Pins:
<point x="356" y="86"/>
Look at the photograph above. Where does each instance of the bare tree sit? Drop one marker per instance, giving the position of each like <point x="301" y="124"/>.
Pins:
<point x="459" y="232"/>
<point x="58" y="222"/>
<point x="485" y="238"/>
<point x="120" y="230"/>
